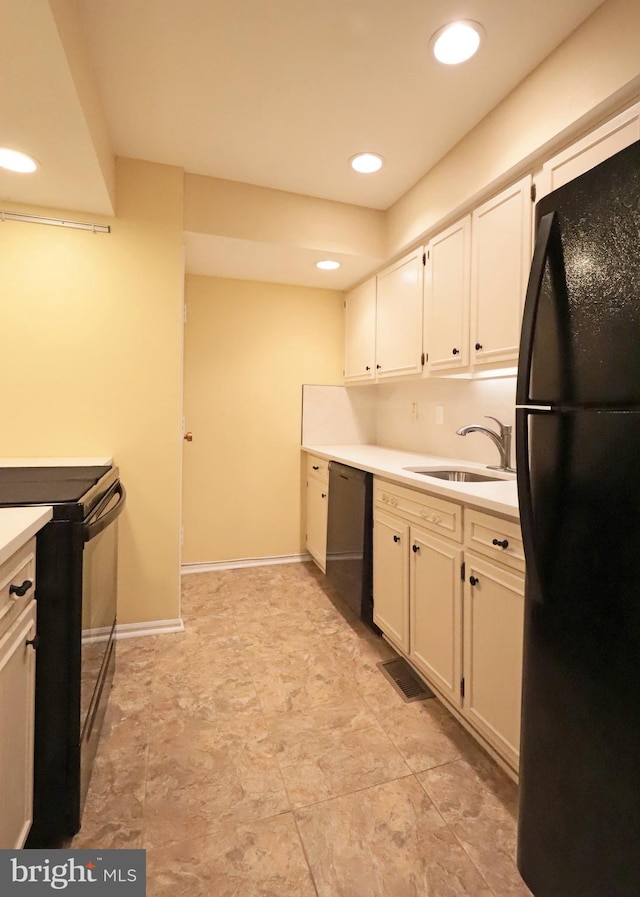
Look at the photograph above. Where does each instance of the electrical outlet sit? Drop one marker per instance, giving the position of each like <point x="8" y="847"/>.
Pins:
<point x="439" y="414"/>
<point x="414" y="411"/>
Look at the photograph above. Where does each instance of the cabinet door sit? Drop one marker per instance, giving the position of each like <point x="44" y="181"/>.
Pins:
<point x="317" y="507"/>
<point x="360" y="333"/>
<point x="391" y="578"/>
<point x="601" y="144"/>
<point x="493" y="620"/>
<point x="399" y="318"/>
<point x="17" y="695"/>
<point x="500" y="261"/>
<point x="436" y="611"/>
<point x="447" y="293"/>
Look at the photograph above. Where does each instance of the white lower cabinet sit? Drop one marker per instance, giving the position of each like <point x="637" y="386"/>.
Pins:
<point x="317" y="511"/>
<point x="436" y="611"/>
<point x="417" y="595"/>
<point x="493" y="624"/>
<point x="455" y="615"/>
<point x="17" y="695"/>
<point x="391" y="578"/>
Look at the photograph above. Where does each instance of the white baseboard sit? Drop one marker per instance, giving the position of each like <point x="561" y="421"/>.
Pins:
<point x="244" y="562"/>
<point x="149" y="627"/>
<point x="132" y="630"/>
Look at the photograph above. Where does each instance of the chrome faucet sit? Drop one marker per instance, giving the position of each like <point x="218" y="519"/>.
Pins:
<point x="502" y="441"/>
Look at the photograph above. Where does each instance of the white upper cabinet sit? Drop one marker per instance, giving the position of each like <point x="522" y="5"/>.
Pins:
<point x="500" y="260"/>
<point x="447" y="292"/>
<point x="399" y="317"/>
<point x="360" y="333"/>
<point x="606" y="141"/>
<point x="462" y="305"/>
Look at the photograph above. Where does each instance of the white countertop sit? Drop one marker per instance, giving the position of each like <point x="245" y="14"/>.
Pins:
<point x="17" y="525"/>
<point x="102" y="461"/>
<point x="501" y="497"/>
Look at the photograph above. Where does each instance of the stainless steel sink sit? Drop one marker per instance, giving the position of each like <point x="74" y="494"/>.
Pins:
<point x="456" y="476"/>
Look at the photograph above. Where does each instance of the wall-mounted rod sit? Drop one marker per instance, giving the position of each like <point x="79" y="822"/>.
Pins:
<point x="57" y="222"/>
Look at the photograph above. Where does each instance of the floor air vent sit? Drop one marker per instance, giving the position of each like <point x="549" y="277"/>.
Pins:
<point x="404" y="680"/>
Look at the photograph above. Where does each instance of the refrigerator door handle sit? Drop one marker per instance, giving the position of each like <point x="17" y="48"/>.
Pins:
<point x="531" y="301"/>
<point x="525" y="500"/>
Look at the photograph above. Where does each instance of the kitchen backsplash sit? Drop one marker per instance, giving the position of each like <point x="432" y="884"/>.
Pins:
<point x="405" y="415"/>
<point x="455" y="403"/>
<point x="334" y="415"/>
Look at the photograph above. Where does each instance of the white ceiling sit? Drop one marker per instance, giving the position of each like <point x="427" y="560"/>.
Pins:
<point x="282" y="93"/>
<point x="271" y="262"/>
<point x="278" y="93"/>
<point x="42" y="115"/>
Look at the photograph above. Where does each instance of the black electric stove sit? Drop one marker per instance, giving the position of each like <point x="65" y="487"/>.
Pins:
<point x="76" y="575"/>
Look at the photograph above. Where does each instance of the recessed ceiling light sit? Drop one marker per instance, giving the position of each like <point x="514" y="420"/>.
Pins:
<point x="457" y="42"/>
<point x="15" y="161"/>
<point x="366" y="163"/>
<point x="328" y="265"/>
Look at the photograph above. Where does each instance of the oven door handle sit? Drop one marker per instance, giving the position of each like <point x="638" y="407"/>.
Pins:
<point x="91" y="530"/>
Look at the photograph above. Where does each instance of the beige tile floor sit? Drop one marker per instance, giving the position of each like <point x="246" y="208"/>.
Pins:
<point x="262" y="754"/>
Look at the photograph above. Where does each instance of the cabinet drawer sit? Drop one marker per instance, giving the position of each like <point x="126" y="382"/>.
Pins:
<point x="435" y="514"/>
<point x="494" y="537"/>
<point x="18" y="571"/>
<point x="17" y="690"/>
<point x="318" y="468"/>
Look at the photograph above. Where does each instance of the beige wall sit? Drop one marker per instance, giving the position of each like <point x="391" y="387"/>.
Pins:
<point x="594" y="71"/>
<point x="91" y="363"/>
<point x="249" y="347"/>
<point x="247" y="212"/>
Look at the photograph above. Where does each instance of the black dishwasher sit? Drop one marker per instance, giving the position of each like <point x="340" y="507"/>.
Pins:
<point x="350" y="538"/>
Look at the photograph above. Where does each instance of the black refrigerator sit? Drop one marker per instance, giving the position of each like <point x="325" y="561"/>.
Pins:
<point x="578" y="453"/>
